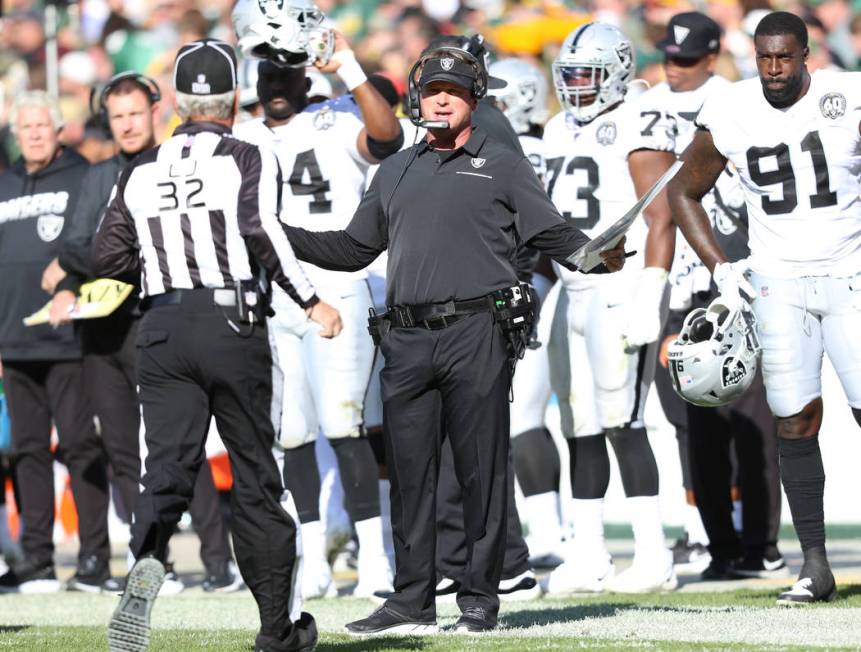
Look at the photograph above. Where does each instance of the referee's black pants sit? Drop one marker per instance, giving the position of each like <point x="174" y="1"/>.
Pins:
<point x="191" y="365"/>
<point x="111" y="379"/>
<point x="748" y="424"/>
<point x="457" y="376"/>
<point x="38" y="392"/>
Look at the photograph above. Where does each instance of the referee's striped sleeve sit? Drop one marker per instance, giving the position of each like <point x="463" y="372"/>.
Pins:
<point x="257" y="217"/>
<point x="115" y="250"/>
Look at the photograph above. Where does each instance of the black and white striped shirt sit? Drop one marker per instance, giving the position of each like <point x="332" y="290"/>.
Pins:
<point x="198" y="212"/>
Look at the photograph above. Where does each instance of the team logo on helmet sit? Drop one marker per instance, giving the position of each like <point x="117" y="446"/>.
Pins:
<point x="270" y="8"/>
<point x="606" y="134"/>
<point x="833" y="105"/>
<point x="49" y="226"/>
<point x="732" y="372"/>
<point x="447" y="63"/>
<point x="478" y="162"/>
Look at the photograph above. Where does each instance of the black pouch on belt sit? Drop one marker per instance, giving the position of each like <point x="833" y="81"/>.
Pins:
<point x="378" y="326"/>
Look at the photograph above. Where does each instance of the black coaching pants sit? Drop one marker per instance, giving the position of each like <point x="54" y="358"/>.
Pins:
<point x="747" y="423"/>
<point x="456" y="376"/>
<point x="191" y="366"/>
<point x="39" y="392"/>
<point x="110" y="374"/>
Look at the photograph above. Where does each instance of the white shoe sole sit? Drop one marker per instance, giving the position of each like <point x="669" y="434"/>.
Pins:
<point x="411" y="629"/>
<point x="34" y="587"/>
<point x="129" y="629"/>
<point x="670" y="584"/>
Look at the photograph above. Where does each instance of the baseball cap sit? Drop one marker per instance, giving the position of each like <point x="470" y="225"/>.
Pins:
<point x="205" y="67"/>
<point x="691" y="35"/>
<point x="449" y="69"/>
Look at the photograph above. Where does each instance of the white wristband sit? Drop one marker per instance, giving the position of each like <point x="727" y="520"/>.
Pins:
<point x="349" y="71"/>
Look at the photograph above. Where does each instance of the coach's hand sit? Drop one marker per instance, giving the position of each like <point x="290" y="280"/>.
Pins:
<point x="328" y="318"/>
<point x="52" y="275"/>
<point x="61" y="306"/>
<point x="614" y="259"/>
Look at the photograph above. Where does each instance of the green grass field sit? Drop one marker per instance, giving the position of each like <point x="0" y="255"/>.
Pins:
<point x="735" y="620"/>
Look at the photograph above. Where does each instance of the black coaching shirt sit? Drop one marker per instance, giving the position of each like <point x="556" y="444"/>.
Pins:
<point x="451" y="221"/>
<point x="199" y="211"/>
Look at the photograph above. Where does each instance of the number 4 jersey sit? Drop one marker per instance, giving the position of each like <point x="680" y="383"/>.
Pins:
<point x="322" y="171"/>
<point x="587" y="170"/>
<point x="799" y="172"/>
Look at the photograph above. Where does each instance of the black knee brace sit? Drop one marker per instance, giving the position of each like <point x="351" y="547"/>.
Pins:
<point x="358" y="476"/>
<point x="590" y="466"/>
<point x="536" y="462"/>
<point x="637" y="463"/>
<point x="302" y="479"/>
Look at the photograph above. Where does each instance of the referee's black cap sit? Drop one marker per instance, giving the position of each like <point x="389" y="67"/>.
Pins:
<point x="205" y="67"/>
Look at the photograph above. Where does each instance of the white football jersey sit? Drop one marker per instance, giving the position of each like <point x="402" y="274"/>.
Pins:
<point x="322" y="170"/>
<point x="533" y="148"/>
<point x="799" y="171"/>
<point x="587" y="172"/>
<point x="688" y="275"/>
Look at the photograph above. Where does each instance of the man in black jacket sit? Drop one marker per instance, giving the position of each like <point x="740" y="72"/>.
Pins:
<point x="43" y="375"/>
<point x="129" y="103"/>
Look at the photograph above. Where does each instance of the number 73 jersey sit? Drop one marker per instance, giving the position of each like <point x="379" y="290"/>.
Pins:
<point x="587" y="165"/>
<point x="799" y="172"/>
<point x="322" y="171"/>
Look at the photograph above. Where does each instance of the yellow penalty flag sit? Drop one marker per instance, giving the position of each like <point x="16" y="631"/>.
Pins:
<point x="97" y="298"/>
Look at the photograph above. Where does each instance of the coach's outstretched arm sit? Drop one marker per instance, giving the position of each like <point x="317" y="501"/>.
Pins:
<point x="703" y="165"/>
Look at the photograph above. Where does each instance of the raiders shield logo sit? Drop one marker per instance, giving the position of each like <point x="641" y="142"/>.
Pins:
<point x="478" y="162"/>
<point x="833" y="105"/>
<point x="270" y="8"/>
<point x="606" y="134"/>
<point x="732" y="372"/>
<point x="49" y="226"/>
<point x="446" y="63"/>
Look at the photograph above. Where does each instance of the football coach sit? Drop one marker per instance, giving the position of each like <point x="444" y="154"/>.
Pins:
<point x="451" y="211"/>
<point x="195" y="221"/>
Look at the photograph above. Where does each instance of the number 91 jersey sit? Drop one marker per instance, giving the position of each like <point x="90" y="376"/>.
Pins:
<point x="322" y="171"/>
<point x="799" y="172"/>
<point x="587" y="169"/>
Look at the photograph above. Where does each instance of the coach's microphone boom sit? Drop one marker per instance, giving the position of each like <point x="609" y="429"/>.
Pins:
<point x="434" y="124"/>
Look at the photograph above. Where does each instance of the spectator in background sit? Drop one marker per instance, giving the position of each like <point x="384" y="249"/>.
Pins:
<point x="43" y="375"/>
<point x="855" y="40"/>
<point x="835" y="17"/>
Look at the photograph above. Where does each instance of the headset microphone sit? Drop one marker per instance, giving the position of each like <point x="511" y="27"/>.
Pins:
<point x="433" y="124"/>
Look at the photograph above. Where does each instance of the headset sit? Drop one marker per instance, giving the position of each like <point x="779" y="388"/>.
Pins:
<point x="414" y="109"/>
<point x="100" y="109"/>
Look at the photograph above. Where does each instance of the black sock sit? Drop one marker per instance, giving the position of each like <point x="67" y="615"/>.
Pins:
<point x="590" y="466"/>
<point x="637" y="464"/>
<point x="804" y="483"/>
<point x="358" y="476"/>
<point x="302" y="479"/>
<point x="536" y="462"/>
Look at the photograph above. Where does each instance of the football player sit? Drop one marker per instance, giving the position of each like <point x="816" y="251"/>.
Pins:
<point x="523" y="100"/>
<point x="599" y="159"/>
<point x="324" y="156"/>
<point x="794" y="139"/>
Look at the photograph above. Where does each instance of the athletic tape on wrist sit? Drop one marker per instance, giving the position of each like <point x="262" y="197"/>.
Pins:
<point x="349" y="71"/>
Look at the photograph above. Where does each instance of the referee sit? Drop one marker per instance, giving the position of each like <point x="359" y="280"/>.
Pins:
<point x="451" y="211"/>
<point x="195" y="220"/>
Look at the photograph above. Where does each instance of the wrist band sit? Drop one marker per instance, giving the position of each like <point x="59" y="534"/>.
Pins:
<point x="349" y="71"/>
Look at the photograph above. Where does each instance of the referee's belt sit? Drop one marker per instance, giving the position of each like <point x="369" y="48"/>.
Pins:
<point x="434" y="316"/>
<point x="199" y="298"/>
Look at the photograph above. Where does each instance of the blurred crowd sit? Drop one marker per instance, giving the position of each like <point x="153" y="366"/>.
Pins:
<point x="97" y="38"/>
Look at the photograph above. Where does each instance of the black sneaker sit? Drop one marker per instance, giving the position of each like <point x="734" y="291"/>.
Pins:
<point x="815" y="584"/>
<point x="519" y="588"/>
<point x="386" y="620"/>
<point x="28" y="576"/>
<point x="129" y="629"/>
<point x="762" y="567"/>
<point x="225" y="580"/>
<point x="303" y="638"/>
<point x="114" y="585"/>
<point x="475" y="620"/>
<point x="91" y="573"/>
<point x="718" y="569"/>
<point x="689" y="558"/>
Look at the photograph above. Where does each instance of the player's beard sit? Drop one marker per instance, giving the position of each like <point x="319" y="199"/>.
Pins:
<point x="788" y="94"/>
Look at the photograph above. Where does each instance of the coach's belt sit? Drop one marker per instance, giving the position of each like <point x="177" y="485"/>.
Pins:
<point x="201" y="297"/>
<point x="434" y="316"/>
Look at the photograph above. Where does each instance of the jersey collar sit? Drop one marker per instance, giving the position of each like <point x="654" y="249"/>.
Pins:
<point x="472" y="146"/>
<point x="196" y="127"/>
